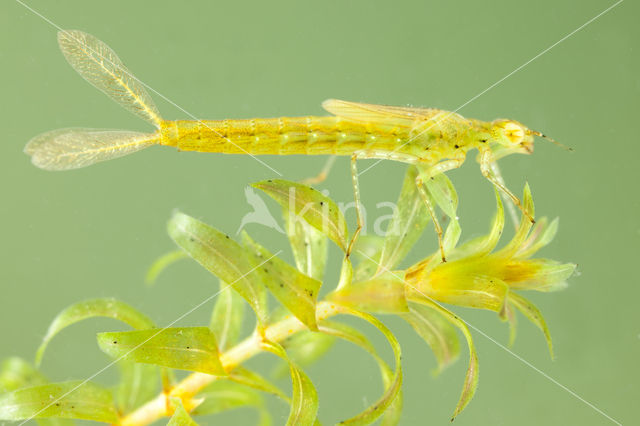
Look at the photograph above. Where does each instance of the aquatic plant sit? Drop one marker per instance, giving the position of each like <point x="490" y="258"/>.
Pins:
<point x="303" y="328"/>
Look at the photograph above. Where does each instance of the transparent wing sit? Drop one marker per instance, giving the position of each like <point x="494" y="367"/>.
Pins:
<point x="73" y="148"/>
<point x="100" y="66"/>
<point x="403" y="116"/>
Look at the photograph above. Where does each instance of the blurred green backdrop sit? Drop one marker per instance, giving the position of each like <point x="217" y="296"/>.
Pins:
<point x="93" y="232"/>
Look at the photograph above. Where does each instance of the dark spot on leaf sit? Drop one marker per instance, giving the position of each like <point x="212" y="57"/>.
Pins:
<point x="188" y="347"/>
<point x="322" y="203"/>
<point x="115" y="342"/>
<point x="227" y="237"/>
<point x="281" y="285"/>
<point x="191" y="239"/>
<point x="265" y="270"/>
<point x="456" y="146"/>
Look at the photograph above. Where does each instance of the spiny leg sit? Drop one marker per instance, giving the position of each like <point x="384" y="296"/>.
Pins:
<point x="428" y="173"/>
<point x="356" y="195"/>
<point x="485" y="166"/>
<point x="324" y="173"/>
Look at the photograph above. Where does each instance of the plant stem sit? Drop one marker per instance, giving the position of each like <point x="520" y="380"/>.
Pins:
<point x="194" y="383"/>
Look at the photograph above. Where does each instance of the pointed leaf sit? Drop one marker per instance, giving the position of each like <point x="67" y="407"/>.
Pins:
<point x="227" y="316"/>
<point x="16" y="373"/>
<point x="304" y="402"/>
<point x="540" y="274"/>
<point x="471" y="378"/>
<point x="436" y="331"/>
<point x="256" y="381"/>
<point x="407" y="224"/>
<point x="180" y="416"/>
<point x="346" y="273"/>
<point x="223" y="257"/>
<point x="296" y="291"/>
<point x="392" y="381"/>
<point x="107" y="307"/>
<point x="541" y="235"/>
<point x="443" y="193"/>
<point x="162" y="263"/>
<point x="484" y="245"/>
<point x="533" y="314"/>
<point x="72" y="400"/>
<point x="310" y="205"/>
<point x="138" y="384"/>
<point x="523" y="229"/>
<point x="451" y="235"/>
<point x="513" y="322"/>
<point x="223" y="395"/>
<point x="384" y="294"/>
<point x="367" y="250"/>
<point x="183" y="348"/>
<point x="308" y="244"/>
<point x="394" y="410"/>
<point x="306" y="347"/>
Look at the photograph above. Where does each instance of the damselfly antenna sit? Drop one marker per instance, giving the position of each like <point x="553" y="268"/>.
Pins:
<point x="553" y="141"/>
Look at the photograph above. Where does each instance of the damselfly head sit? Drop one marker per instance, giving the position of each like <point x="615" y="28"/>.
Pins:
<point x="512" y="134"/>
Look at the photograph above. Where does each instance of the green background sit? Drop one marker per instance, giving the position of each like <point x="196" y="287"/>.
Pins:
<point x="93" y="232"/>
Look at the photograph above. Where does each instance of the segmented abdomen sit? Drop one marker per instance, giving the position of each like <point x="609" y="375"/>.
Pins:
<point x="281" y="136"/>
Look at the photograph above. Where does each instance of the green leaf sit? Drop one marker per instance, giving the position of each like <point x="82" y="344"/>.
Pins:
<point x="309" y="245"/>
<point x="304" y="402"/>
<point x="520" y="236"/>
<point x="107" y="307"/>
<point x="71" y="400"/>
<point x="541" y="235"/>
<point x="16" y="373"/>
<point x="180" y="416"/>
<point x="394" y="410"/>
<point x="346" y="273"/>
<point x="484" y="245"/>
<point x="407" y="224"/>
<point x="443" y="193"/>
<point x="533" y="314"/>
<point x="512" y="320"/>
<point x="436" y="331"/>
<point x="223" y="395"/>
<point x="255" y="381"/>
<point x="296" y="291"/>
<point x="471" y="378"/>
<point x="138" y="384"/>
<point x="451" y="235"/>
<point x="367" y="250"/>
<point x="392" y="380"/>
<point x="306" y="347"/>
<point x="310" y="205"/>
<point x="227" y="316"/>
<point x="162" y="263"/>
<point x="183" y="348"/>
<point x="223" y="257"/>
<point x="383" y="294"/>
